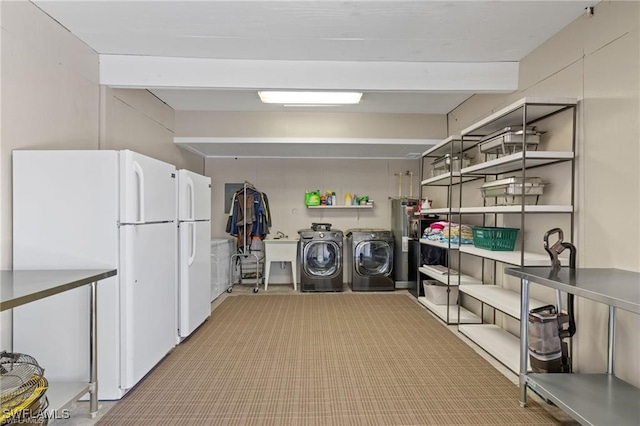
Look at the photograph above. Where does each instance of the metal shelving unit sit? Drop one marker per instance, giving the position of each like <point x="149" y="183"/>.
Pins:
<point x="452" y="312"/>
<point x="491" y="337"/>
<point x="591" y="399"/>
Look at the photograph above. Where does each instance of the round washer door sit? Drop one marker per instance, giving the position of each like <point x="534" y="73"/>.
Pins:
<point x="373" y="258"/>
<point x="322" y="258"/>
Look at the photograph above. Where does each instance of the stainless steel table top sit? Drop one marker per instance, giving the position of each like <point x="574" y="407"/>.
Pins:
<point x="614" y="287"/>
<point x="20" y="287"/>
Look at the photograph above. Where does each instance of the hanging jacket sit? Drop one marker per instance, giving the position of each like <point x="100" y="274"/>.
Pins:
<point x="257" y="216"/>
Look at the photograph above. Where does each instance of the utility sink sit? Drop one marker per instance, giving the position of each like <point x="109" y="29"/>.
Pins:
<point x="280" y="249"/>
<point x="282" y="240"/>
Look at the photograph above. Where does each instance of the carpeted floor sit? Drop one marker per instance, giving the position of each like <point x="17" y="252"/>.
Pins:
<point x="324" y="359"/>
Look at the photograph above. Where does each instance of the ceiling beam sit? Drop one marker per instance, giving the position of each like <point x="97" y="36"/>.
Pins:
<point x="328" y="148"/>
<point x="156" y="72"/>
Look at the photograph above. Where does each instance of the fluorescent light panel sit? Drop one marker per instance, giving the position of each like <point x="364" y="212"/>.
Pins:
<point x="309" y="98"/>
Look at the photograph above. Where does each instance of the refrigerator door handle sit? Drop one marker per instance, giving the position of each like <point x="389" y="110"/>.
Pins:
<point x="193" y="243"/>
<point x="192" y="199"/>
<point x="137" y="169"/>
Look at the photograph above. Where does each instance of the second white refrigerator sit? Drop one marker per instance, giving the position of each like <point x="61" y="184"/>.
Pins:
<point x="194" y="251"/>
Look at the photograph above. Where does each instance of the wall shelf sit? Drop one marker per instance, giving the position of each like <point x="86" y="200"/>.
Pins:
<point x="370" y="206"/>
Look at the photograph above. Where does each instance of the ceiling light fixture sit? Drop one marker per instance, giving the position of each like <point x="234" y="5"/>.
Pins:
<point x="310" y="98"/>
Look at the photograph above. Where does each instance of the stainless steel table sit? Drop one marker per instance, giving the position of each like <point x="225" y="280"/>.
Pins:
<point x="591" y="399"/>
<point x="21" y="287"/>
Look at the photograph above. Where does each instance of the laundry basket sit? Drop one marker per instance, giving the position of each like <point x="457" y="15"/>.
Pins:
<point x="494" y="238"/>
<point x="22" y="390"/>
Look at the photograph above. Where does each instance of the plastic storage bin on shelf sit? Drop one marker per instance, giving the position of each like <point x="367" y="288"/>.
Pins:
<point x="436" y="292"/>
<point x="446" y="164"/>
<point x="509" y="191"/>
<point x="494" y="238"/>
<point x="509" y="141"/>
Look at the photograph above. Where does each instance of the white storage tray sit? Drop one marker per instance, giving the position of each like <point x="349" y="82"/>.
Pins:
<point x="443" y="164"/>
<point x="510" y="190"/>
<point x="509" y="141"/>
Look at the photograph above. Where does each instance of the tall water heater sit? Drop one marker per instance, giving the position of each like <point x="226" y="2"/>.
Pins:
<point x="405" y="224"/>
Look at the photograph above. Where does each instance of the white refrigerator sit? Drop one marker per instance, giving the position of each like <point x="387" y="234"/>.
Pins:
<point x="194" y="251"/>
<point x="93" y="209"/>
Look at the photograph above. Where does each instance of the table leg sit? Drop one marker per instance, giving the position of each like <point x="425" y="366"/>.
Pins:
<point x="267" y="268"/>
<point x="295" y="274"/>
<point x="611" y="339"/>
<point x="524" y="349"/>
<point x="93" y="350"/>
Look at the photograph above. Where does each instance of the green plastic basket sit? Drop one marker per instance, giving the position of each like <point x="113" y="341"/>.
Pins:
<point x="495" y="239"/>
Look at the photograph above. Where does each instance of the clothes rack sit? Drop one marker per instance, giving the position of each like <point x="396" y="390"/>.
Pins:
<point x="249" y="218"/>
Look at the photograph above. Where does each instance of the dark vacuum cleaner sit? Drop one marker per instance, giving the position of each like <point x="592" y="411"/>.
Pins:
<point x="548" y="327"/>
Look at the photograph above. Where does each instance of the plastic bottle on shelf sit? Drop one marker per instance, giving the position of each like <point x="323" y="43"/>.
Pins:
<point x="333" y="199"/>
<point x="347" y="199"/>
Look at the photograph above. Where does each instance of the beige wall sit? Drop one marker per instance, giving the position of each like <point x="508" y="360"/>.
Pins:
<point x="595" y="59"/>
<point x="49" y="96"/>
<point x="285" y="182"/>
<point x="51" y="99"/>
<point x="137" y="120"/>
<point x="312" y="125"/>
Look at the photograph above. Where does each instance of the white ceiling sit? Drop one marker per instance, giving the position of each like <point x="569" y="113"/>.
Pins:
<point x="406" y="56"/>
<point x="345" y="31"/>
